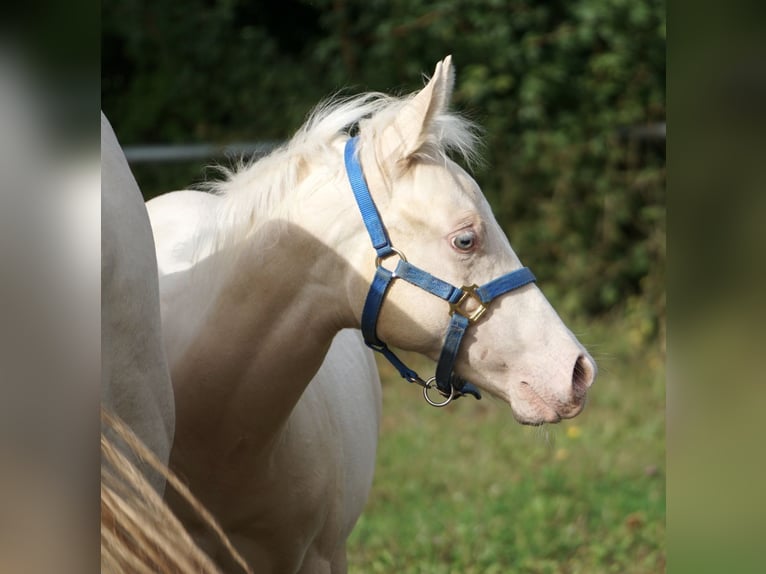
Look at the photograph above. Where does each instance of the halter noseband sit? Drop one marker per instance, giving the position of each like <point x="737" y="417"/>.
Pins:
<point x="447" y="383"/>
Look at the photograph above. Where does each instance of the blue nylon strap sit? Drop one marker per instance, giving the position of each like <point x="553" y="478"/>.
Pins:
<point x="426" y="281"/>
<point x="403" y="369"/>
<point x="370" y="215"/>
<point x="465" y="388"/>
<point x="505" y="283"/>
<point x="372" y="305"/>
<point x="445" y="367"/>
<point x="370" y="313"/>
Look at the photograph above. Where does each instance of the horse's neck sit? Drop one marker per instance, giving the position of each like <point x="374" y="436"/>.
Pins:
<point x="258" y="343"/>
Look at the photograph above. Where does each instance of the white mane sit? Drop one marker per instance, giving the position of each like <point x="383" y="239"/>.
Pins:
<point x="259" y="187"/>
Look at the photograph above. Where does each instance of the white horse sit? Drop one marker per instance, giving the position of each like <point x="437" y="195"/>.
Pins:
<point x="135" y="381"/>
<point x="258" y="280"/>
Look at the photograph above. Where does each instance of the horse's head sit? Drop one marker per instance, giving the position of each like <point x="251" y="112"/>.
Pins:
<point x="436" y="215"/>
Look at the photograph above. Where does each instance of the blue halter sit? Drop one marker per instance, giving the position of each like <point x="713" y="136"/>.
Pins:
<point x="447" y="383"/>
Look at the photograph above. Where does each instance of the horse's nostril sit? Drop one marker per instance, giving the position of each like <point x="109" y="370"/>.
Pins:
<point x="582" y="376"/>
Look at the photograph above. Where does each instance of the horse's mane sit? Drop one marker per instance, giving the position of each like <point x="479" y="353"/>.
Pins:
<point x="259" y="186"/>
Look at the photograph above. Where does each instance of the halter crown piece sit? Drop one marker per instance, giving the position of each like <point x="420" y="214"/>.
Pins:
<point x="449" y="385"/>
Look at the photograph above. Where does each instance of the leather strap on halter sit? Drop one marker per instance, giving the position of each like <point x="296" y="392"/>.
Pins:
<point x="448" y="383"/>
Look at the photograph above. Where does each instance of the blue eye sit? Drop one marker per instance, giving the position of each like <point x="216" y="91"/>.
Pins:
<point x="464" y="241"/>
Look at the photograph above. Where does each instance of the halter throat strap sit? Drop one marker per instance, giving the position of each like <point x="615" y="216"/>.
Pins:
<point x="448" y="384"/>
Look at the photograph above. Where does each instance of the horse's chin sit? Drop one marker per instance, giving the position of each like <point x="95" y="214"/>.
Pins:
<point x="541" y="417"/>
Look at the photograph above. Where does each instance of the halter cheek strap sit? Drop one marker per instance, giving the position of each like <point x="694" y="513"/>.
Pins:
<point x="448" y="384"/>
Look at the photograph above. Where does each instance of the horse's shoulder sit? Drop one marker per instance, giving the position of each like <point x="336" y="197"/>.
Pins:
<point x="180" y="220"/>
<point x="181" y="211"/>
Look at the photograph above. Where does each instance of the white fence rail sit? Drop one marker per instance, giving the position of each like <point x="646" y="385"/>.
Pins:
<point x="205" y="151"/>
<point x="194" y="152"/>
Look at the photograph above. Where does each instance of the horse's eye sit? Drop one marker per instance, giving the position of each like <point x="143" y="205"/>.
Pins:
<point x="464" y="241"/>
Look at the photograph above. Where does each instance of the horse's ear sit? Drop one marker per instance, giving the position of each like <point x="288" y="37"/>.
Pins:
<point x="408" y="131"/>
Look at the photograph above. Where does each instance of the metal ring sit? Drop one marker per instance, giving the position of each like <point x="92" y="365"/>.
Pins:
<point x="394" y="251"/>
<point x="447" y="400"/>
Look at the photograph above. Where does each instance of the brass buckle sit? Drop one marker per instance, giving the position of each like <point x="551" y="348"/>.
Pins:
<point x="469" y="291"/>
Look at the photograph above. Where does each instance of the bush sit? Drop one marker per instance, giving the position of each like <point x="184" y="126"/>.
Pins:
<point x="558" y="87"/>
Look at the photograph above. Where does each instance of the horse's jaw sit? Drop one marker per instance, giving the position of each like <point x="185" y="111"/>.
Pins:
<point x="524" y="355"/>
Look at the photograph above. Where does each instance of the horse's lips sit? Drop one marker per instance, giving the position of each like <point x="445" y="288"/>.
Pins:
<point x="544" y="413"/>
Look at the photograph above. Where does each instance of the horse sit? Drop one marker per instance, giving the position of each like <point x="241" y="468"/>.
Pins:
<point x="139" y="532"/>
<point x="135" y="379"/>
<point x="266" y="281"/>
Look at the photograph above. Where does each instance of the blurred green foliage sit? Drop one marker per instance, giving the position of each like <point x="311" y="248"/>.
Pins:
<point x="557" y="87"/>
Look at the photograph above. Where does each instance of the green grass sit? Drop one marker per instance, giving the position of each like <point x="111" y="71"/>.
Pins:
<point x="466" y="489"/>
